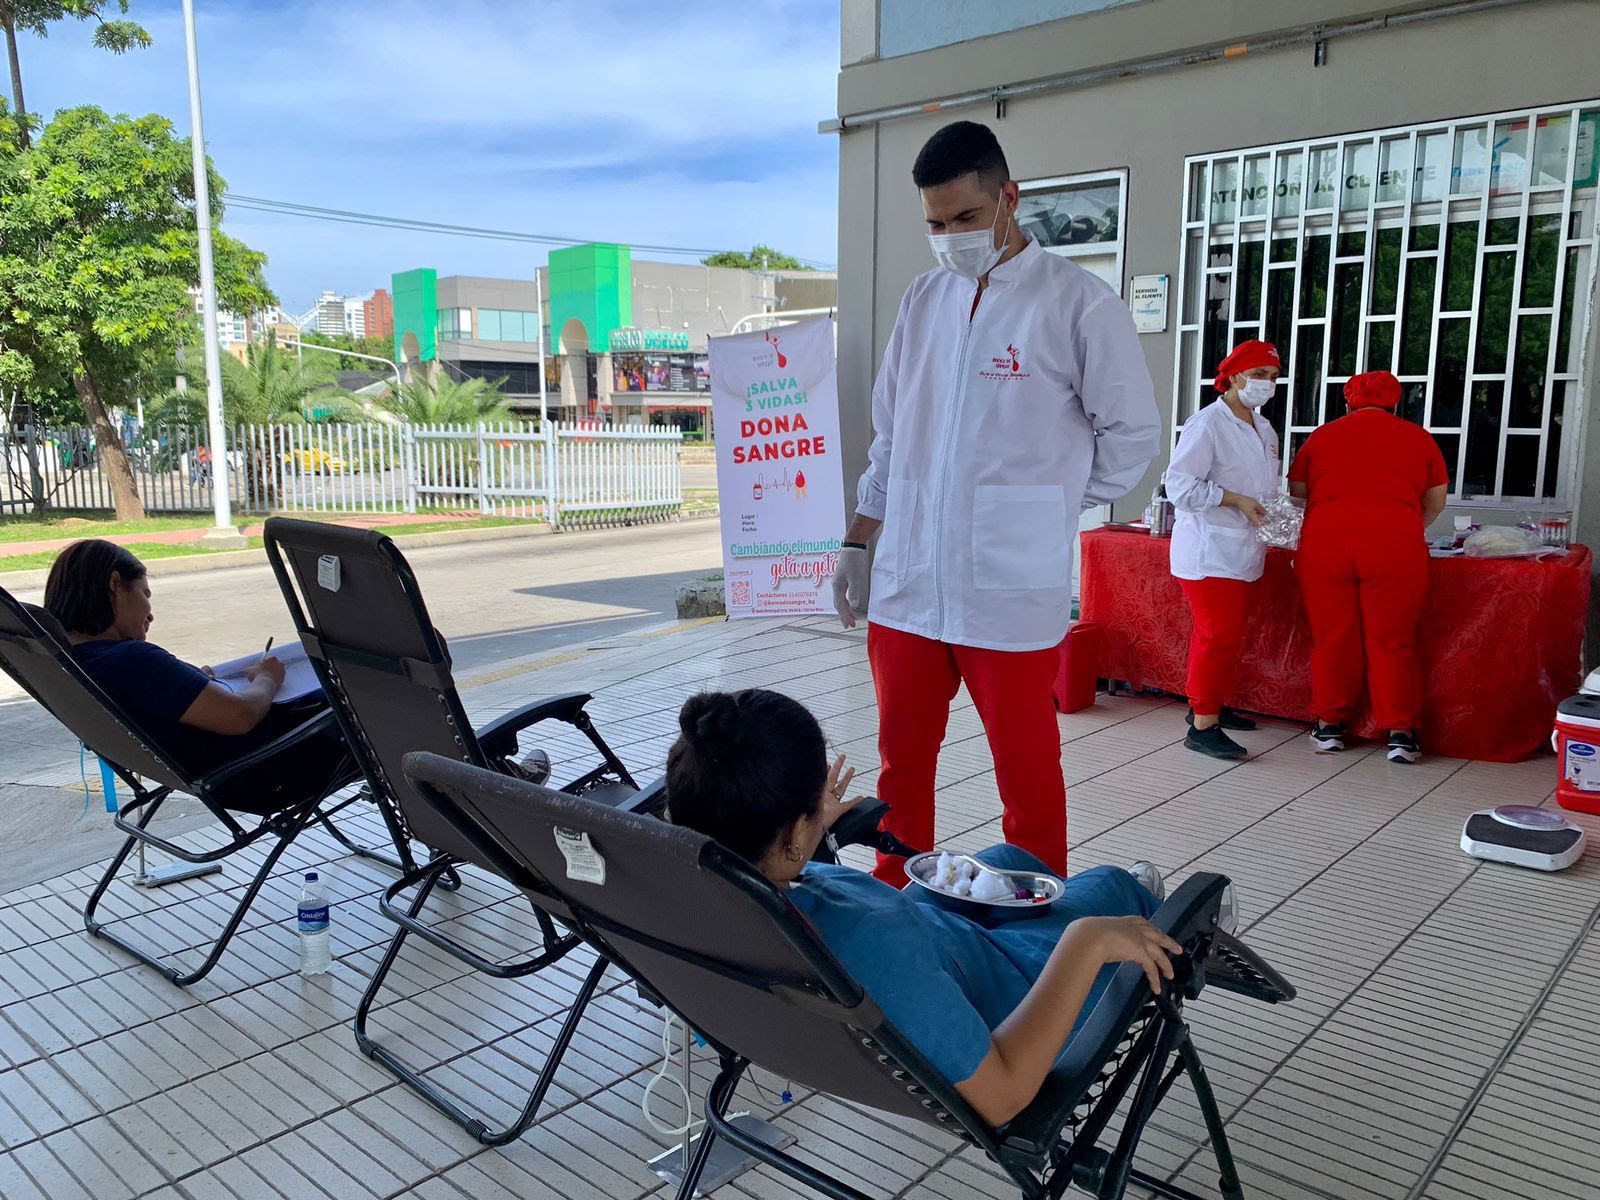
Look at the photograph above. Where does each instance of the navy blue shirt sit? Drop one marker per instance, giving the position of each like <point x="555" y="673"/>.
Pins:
<point x="943" y="979"/>
<point x="155" y="689"/>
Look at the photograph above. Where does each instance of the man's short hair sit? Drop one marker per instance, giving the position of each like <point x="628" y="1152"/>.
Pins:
<point x="961" y="148"/>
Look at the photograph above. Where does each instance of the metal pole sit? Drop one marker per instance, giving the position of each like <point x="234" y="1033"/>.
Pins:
<point x="300" y="347"/>
<point x="220" y="499"/>
<point x="688" y="1098"/>
<point x="538" y="291"/>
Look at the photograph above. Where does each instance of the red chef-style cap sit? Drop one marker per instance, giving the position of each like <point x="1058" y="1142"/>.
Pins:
<point x="1375" y="389"/>
<point x="1246" y="356"/>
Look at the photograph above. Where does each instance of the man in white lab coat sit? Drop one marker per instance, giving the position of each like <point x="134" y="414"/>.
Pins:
<point x="1012" y="396"/>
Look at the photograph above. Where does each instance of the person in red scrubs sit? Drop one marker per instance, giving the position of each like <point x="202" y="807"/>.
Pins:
<point x="1373" y="482"/>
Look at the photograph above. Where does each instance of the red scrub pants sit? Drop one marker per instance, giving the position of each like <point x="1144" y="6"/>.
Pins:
<point x="916" y="678"/>
<point x="1220" y="608"/>
<point x="1364" y="597"/>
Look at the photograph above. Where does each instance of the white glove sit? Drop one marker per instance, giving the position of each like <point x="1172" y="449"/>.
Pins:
<point x="850" y="585"/>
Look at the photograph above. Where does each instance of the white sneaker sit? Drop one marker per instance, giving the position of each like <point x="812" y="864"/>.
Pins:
<point x="1228" y="911"/>
<point x="1149" y="877"/>
<point x="1403" y="748"/>
<point x="1327" y="739"/>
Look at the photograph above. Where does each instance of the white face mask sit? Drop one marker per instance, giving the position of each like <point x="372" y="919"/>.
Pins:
<point x="973" y="254"/>
<point x="1254" y="393"/>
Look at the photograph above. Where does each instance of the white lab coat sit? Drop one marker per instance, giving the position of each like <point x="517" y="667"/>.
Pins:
<point x="991" y="437"/>
<point x="1218" y="452"/>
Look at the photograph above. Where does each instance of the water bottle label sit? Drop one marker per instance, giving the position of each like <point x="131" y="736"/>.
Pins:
<point x="313" y="920"/>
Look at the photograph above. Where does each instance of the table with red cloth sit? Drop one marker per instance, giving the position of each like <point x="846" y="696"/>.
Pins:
<point x="1501" y="640"/>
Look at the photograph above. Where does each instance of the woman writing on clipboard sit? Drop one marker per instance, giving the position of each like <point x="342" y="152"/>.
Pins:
<point x="100" y="593"/>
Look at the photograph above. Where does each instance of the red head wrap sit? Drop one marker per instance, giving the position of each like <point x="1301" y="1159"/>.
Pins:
<point x="1246" y="356"/>
<point x="1375" y="389"/>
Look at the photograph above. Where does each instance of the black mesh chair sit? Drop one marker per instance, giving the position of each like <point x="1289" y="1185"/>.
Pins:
<point x="387" y="672"/>
<point x="279" y="790"/>
<point x="726" y="951"/>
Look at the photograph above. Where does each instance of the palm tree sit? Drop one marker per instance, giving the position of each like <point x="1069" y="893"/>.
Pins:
<point x="440" y="400"/>
<point x="270" y="388"/>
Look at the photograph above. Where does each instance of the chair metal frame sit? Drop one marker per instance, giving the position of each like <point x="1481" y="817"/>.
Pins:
<point x="1133" y="1041"/>
<point x="491" y="747"/>
<point x="136" y="757"/>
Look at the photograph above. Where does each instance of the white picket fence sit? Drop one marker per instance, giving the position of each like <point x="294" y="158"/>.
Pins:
<point x="566" y="474"/>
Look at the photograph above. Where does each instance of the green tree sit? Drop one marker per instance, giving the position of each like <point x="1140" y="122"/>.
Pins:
<point x="270" y="387"/>
<point x="760" y="258"/>
<point x="97" y="255"/>
<point x="36" y="17"/>
<point x="438" y="399"/>
<point x="375" y="347"/>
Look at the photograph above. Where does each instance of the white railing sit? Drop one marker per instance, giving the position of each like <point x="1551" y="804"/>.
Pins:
<point x="585" y="474"/>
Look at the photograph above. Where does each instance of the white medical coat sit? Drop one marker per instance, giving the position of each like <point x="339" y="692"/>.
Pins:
<point x="1218" y="451"/>
<point x="991" y="436"/>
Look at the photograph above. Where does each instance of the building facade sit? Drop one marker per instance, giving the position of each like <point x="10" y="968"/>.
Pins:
<point x="328" y="315"/>
<point x="355" y="316"/>
<point x="1366" y="185"/>
<point x="623" y="340"/>
<point x="377" y="315"/>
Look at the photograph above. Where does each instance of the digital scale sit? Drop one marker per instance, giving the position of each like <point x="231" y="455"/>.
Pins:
<point x="1523" y="836"/>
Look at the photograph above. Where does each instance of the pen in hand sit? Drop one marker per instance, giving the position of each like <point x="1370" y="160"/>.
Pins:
<point x="268" y="650"/>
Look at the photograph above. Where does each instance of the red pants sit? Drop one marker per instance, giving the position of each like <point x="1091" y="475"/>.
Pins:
<point x="916" y="678"/>
<point x="1364" y="598"/>
<point x="1220" y="607"/>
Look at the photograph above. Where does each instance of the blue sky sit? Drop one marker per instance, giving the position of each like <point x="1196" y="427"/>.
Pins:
<point x="617" y="120"/>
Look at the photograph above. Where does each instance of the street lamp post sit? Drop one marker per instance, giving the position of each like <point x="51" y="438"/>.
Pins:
<point x="300" y="347"/>
<point x="223" y="533"/>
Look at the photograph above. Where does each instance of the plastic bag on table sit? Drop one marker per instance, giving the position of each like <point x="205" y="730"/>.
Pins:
<point x="1506" y="541"/>
<point x="1281" y="528"/>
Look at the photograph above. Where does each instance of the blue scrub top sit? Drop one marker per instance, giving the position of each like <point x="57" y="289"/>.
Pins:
<point x="944" y="979"/>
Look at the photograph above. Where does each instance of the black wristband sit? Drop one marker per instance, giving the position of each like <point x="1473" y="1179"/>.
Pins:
<point x="853" y="545"/>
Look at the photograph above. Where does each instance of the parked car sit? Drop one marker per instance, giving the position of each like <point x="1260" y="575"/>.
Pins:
<point x="313" y="461"/>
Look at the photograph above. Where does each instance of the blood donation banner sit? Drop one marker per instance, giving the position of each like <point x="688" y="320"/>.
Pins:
<point x="780" y="481"/>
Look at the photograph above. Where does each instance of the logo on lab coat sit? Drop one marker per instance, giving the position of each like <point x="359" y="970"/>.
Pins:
<point x="1005" y="366"/>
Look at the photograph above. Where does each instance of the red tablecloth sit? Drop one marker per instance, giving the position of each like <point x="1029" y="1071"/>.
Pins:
<point x="1501" y="644"/>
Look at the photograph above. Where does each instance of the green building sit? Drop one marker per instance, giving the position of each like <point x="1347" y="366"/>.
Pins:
<point x="622" y="340"/>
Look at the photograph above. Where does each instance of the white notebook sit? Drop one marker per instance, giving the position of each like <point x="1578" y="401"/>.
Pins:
<point x="299" y="678"/>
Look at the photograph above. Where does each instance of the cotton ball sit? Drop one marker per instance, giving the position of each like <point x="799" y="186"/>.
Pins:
<point x="944" y="871"/>
<point x="966" y="870"/>
<point x="963" y="887"/>
<point x="989" y="886"/>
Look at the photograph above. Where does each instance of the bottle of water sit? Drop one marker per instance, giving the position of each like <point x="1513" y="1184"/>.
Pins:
<point x="315" y="955"/>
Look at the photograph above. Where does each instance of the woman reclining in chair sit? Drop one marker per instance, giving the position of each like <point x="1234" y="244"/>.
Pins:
<point x="990" y="1005"/>
<point x="100" y="594"/>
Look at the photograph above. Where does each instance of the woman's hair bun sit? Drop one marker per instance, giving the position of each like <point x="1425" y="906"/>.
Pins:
<point x="710" y="722"/>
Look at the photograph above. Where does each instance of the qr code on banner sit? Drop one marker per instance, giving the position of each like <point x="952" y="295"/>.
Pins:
<point x="741" y="593"/>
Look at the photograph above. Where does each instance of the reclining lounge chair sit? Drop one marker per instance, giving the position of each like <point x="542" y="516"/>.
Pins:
<point x="284" y="786"/>
<point x="387" y="672"/>
<point x="704" y="931"/>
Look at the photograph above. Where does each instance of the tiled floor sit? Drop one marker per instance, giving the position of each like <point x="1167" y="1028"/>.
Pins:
<point x="1441" y="1046"/>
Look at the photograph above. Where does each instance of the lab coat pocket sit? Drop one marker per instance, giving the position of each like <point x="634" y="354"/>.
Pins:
<point x="898" y="550"/>
<point x="1021" y="538"/>
<point x="1233" y="553"/>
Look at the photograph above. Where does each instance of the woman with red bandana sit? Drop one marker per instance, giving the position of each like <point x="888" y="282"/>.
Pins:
<point x="1373" y="482"/>
<point x="1226" y="461"/>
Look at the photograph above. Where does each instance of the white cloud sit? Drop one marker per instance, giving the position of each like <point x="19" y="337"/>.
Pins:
<point x="619" y="119"/>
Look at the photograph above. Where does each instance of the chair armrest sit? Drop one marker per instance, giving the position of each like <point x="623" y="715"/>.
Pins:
<point x="650" y="801"/>
<point x="498" y="739"/>
<point x="1189" y="917"/>
<point x="315" y="727"/>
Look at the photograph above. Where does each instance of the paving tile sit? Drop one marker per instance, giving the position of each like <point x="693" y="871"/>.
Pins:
<point x="1416" y="968"/>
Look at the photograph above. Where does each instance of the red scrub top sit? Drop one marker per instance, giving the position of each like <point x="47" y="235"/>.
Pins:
<point x="1367" y="472"/>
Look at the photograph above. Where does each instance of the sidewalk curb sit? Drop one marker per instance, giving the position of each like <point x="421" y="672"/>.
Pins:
<point x="190" y="564"/>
